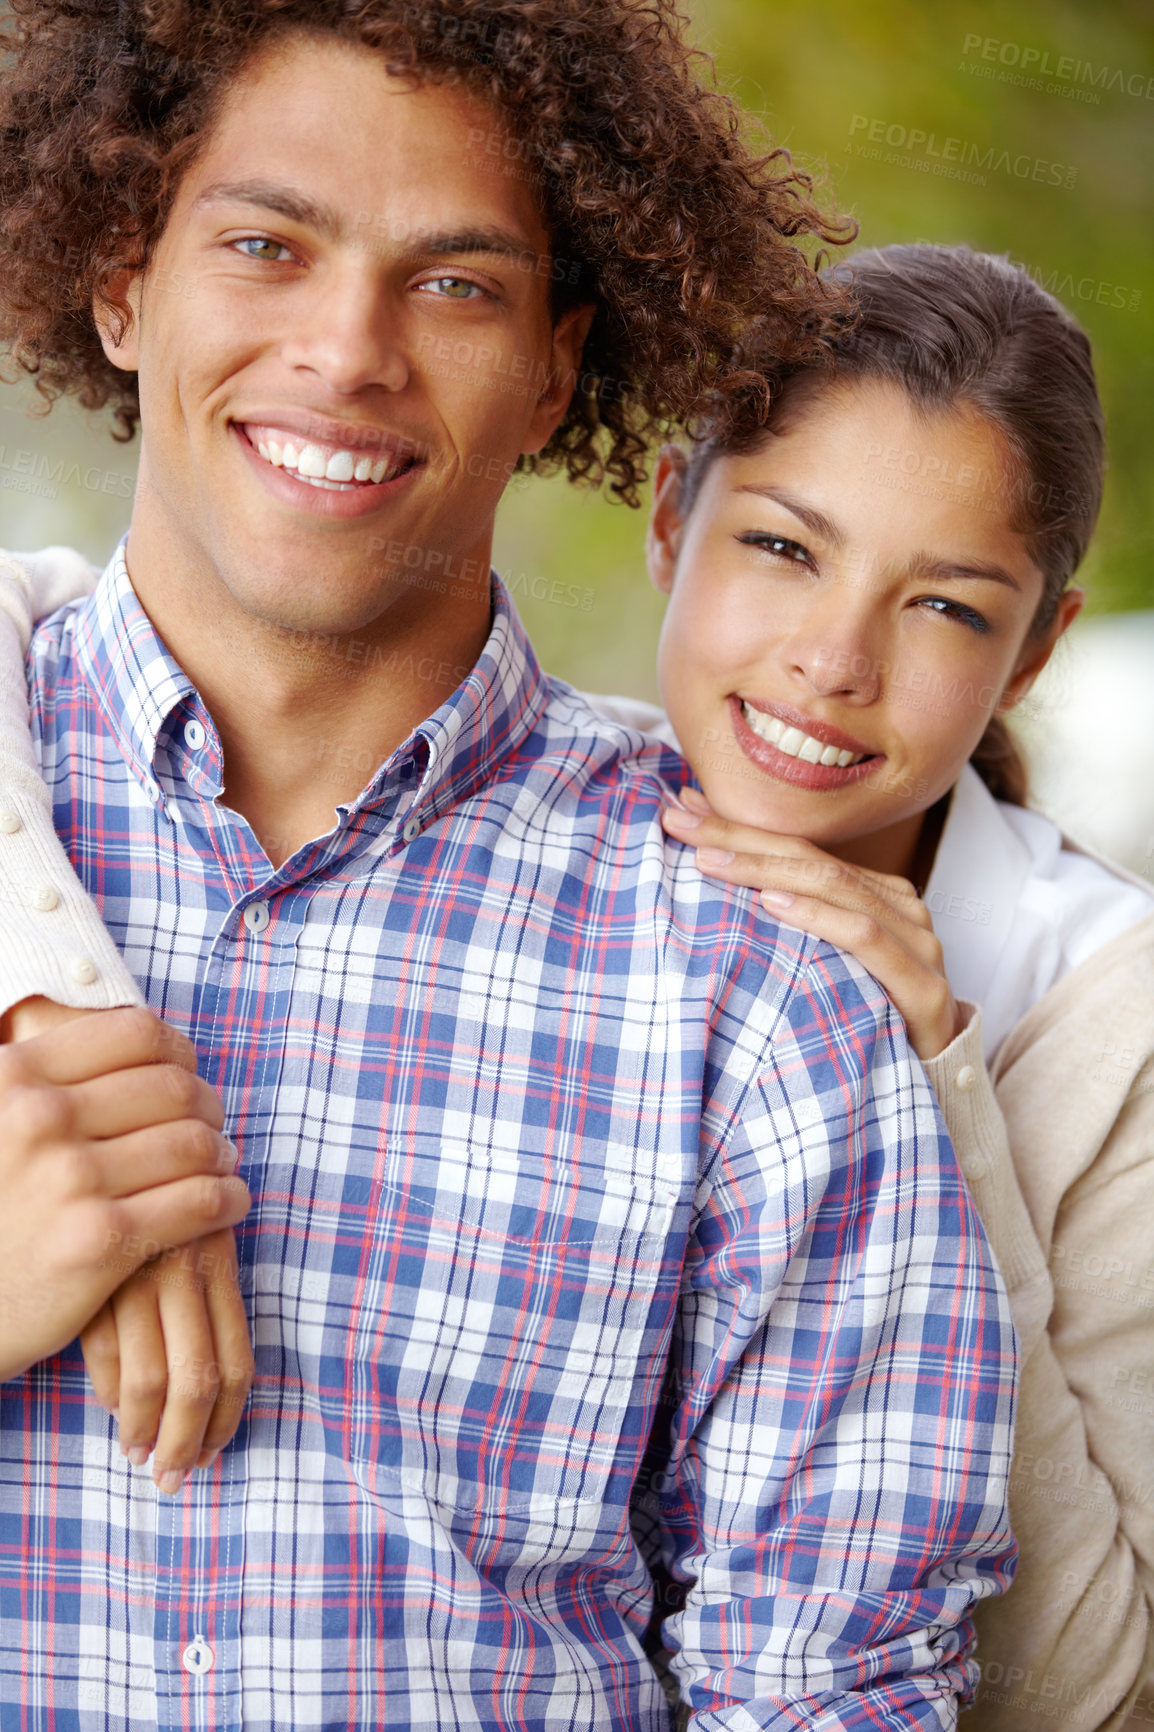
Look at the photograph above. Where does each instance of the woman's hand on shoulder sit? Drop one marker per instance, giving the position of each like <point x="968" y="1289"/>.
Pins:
<point x="878" y="918"/>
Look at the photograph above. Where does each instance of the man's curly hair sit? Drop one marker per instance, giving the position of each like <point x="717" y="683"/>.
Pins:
<point x="690" y="241"/>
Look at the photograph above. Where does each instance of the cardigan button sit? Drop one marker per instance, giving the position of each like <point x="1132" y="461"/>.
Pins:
<point x="83" y="971"/>
<point x="9" y="823"/>
<point x="966" y="1078"/>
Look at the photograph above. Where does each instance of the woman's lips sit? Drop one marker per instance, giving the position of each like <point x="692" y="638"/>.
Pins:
<point x="800" y="772"/>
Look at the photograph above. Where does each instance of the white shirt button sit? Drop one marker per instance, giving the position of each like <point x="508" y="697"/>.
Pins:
<point x="44" y="898"/>
<point x="966" y="1078"/>
<point x="194" y="736"/>
<point x="256" y="916"/>
<point x="9" y="823"/>
<point x="198" y="1657"/>
<point x="975" y="1167"/>
<point x="412" y="829"/>
<point x="83" y="971"/>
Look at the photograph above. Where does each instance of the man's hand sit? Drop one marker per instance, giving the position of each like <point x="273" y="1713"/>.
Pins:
<point x="170" y="1354"/>
<point x="110" y="1152"/>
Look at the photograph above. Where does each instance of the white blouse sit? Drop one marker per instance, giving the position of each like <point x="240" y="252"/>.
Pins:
<point x="1016" y="905"/>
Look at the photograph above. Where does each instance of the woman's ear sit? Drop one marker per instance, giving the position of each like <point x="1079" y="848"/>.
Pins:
<point x="116" y="314"/>
<point x="665" y="521"/>
<point x="1037" y="650"/>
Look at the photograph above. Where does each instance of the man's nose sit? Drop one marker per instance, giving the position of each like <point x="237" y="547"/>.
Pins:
<point x="350" y="335"/>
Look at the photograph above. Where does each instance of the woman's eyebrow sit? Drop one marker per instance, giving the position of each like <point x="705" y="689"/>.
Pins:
<point x="926" y="565"/>
<point x="814" y="520"/>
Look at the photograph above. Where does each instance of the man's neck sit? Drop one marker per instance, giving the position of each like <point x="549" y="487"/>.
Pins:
<point x="306" y="713"/>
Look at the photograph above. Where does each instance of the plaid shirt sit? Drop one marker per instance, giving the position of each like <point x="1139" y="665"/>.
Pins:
<point x="603" y="1236"/>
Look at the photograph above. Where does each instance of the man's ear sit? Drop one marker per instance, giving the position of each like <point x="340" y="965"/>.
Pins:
<point x="116" y="314"/>
<point x="569" y="334"/>
<point x="663" y="541"/>
<point x="1036" y="651"/>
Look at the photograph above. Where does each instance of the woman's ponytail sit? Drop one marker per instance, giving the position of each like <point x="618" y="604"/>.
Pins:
<point x="999" y="762"/>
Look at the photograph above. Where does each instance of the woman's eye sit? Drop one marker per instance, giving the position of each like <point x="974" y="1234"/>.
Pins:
<point x="455" y="288"/>
<point x="779" y="546"/>
<point x="954" y="610"/>
<point x="261" y="247"/>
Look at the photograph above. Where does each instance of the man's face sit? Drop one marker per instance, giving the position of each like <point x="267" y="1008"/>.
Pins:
<point x="344" y="342"/>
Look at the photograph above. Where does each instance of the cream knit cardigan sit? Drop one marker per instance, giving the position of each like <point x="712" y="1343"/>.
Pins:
<point x="1070" y="1214"/>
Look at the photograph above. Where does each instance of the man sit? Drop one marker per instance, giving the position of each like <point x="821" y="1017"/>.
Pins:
<point x="600" y="1233"/>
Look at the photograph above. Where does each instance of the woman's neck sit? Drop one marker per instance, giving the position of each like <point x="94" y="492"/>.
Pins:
<point x="907" y="850"/>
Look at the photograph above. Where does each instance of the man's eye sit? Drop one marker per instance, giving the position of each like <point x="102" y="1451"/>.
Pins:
<point x="779" y="546"/>
<point x="260" y="247"/>
<point x="454" y="288"/>
<point x="954" y="610"/>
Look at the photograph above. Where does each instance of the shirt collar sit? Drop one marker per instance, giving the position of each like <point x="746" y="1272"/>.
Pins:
<point x="148" y="702"/>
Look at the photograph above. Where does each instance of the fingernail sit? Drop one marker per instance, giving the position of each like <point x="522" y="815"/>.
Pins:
<point x="170" y="1481"/>
<point x="229" y="1157"/>
<point x="138" y="1454"/>
<point x="680" y="818"/>
<point x="697" y="802"/>
<point x="777" y="899"/>
<point x="714" y="856"/>
<point x="207" y="1457"/>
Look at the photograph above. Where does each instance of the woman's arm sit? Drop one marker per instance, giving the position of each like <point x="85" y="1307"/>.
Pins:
<point x="1079" y="1618"/>
<point x="53" y="944"/>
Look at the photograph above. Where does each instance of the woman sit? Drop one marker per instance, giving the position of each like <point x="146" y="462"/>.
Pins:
<point x="859" y="586"/>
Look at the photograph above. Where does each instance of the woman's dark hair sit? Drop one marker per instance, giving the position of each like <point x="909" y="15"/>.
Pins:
<point x="660" y="204"/>
<point x="956" y="328"/>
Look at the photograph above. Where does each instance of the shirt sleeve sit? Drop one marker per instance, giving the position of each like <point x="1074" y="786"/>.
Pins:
<point x="830" y="1469"/>
<point x="53" y="942"/>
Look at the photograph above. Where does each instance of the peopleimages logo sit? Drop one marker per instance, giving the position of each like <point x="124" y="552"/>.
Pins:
<point x="1066" y="69"/>
<point x="954" y="158"/>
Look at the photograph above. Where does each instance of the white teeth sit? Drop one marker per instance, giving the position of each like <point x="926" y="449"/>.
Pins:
<point x="275" y="453"/>
<point x="379" y="470"/>
<point x="795" y="744"/>
<point x="312" y="463"/>
<point x="289" y="456"/>
<point x="340" y="466"/>
<point x="363" y="469"/>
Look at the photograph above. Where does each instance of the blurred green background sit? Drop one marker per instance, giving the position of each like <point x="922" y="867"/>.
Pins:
<point x="822" y="74"/>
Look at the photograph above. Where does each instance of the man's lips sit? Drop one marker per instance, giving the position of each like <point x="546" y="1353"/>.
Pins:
<point x="362" y="458"/>
<point x="320" y="494"/>
<point x="800" y="763"/>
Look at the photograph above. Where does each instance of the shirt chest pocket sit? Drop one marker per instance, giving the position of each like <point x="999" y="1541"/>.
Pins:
<point x="510" y="1325"/>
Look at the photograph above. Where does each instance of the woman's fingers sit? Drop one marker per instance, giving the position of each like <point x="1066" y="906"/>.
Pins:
<point x="145" y="1159"/>
<point x="148" y="1094"/>
<point x="919" y="990"/>
<point x="758" y="853"/>
<point x="98" y="1042"/>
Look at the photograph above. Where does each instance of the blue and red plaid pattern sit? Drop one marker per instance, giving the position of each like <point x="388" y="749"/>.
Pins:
<point x="604" y="1234"/>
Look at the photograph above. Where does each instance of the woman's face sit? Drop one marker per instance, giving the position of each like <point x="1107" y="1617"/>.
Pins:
<point x="848" y="607"/>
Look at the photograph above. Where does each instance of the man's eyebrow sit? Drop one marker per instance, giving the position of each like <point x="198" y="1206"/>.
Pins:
<point x="925" y="565"/>
<point x="814" y="520"/>
<point x="266" y="195"/>
<point x="486" y="238"/>
<point x="417" y="244"/>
